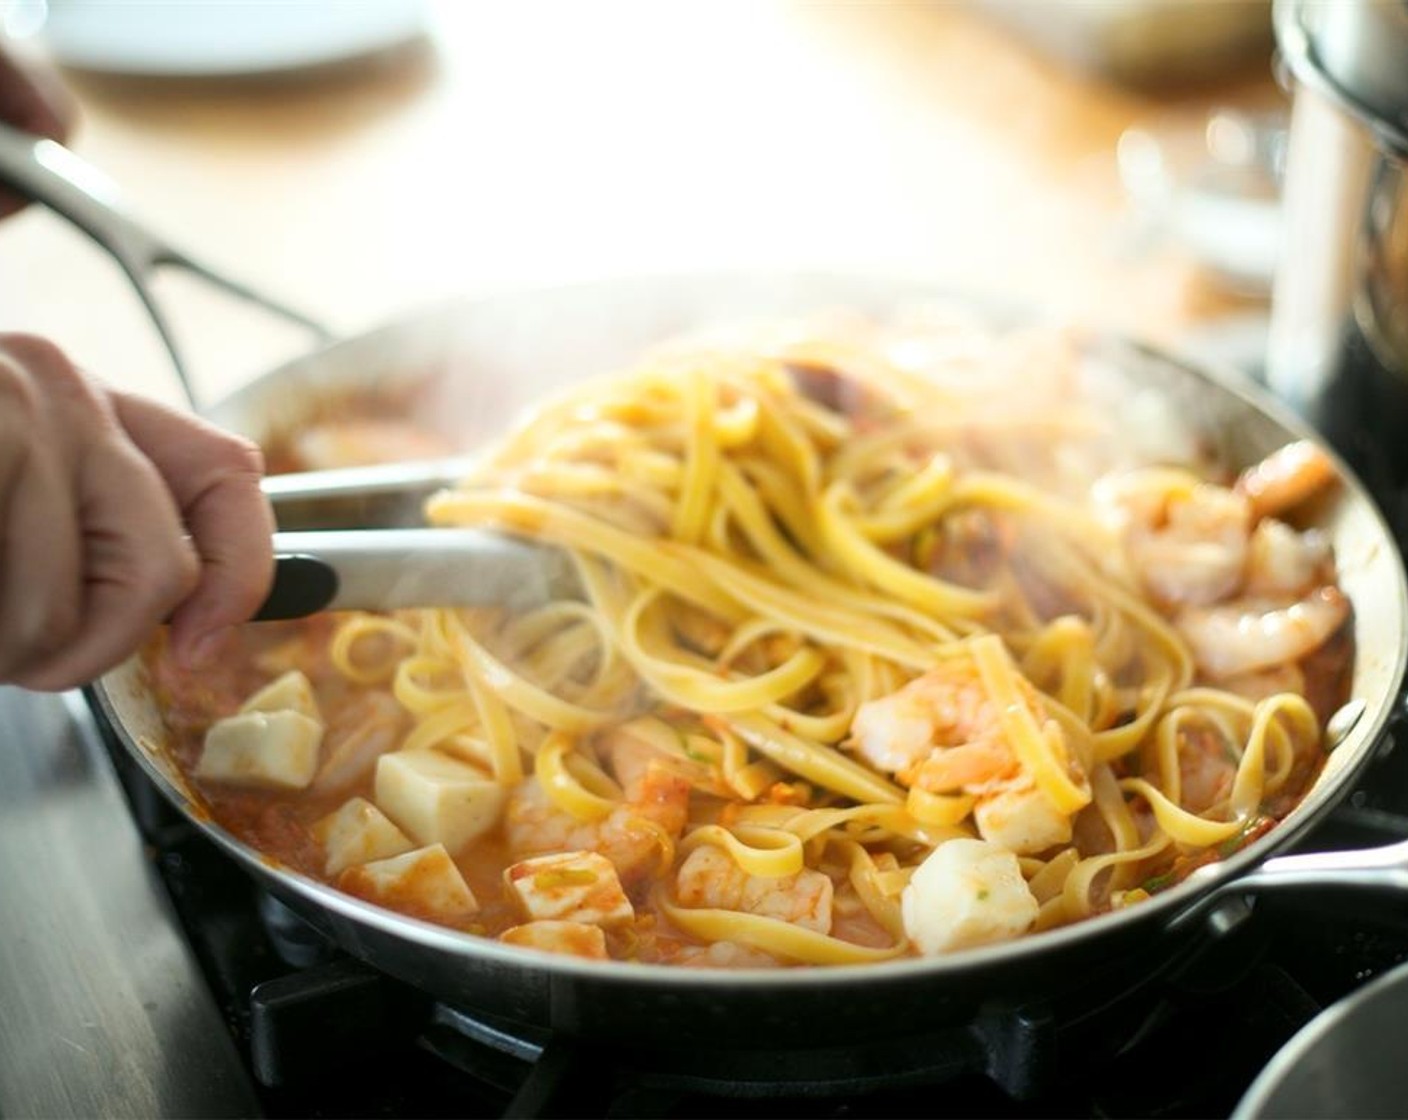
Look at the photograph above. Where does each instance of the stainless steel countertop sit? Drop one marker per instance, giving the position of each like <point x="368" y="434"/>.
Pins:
<point x="103" y="1011"/>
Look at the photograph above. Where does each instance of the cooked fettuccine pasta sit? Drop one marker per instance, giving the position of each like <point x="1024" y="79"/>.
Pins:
<point x="880" y="644"/>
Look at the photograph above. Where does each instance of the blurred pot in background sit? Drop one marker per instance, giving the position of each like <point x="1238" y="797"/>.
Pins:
<point x="1338" y="347"/>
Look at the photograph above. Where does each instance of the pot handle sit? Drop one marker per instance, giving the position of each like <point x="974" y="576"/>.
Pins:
<point x="46" y="172"/>
<point x="1380" y="869"/>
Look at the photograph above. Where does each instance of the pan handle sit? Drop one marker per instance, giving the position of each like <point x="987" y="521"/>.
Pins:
<point x="1382" y="869"/>
<point x="46" y="172"/>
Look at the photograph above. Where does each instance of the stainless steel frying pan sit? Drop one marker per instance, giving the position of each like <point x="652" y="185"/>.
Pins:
<point x="467" y="368"/>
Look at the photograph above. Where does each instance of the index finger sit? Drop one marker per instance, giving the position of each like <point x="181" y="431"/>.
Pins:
<point x="214" y="477"/>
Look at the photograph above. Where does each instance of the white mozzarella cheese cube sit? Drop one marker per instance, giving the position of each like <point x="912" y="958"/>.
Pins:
<point x="424" y="883"/>
<point x="1022" y="820"/>
<point x="358" y="832"/>
<point x="268" y="750"/>
<point x="569" y="886"/>
<point x="437" y="799"/>
<point x="291" y="692"/>
<point x="966" y="893"/>
<point x="575" y="939"/>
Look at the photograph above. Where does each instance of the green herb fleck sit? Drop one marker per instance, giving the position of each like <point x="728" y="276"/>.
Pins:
<point x="1234" y="843"/>
<point x="1158" y="882"/>
<point x="983" y="894"/>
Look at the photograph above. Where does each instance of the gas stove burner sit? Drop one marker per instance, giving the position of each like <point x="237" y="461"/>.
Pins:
<point x="1004" y="1047"/>
<point x="294" y="941"/>
<point x="521" y="1072"/>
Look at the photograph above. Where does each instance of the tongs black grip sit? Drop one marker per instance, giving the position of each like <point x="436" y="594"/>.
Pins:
<point x="345" y="543"/>
<point x="390" y="569"/>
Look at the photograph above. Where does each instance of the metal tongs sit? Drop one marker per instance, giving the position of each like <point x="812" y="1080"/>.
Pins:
<point x="325" y="560"/>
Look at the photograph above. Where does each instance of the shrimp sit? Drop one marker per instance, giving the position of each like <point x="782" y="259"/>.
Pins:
<point x="651" y="780"/>
<point x="533" y="824"/>
<point x="943" y="734"/>
<point x="1281" y="561"/>
<point x="1285" y="478"/>
<point x="1250" y="635"/>
<point x="940" y="731"/>
<point x="359" y="734"/>
<point x="710" y="878"/>
<point x="1197" y="543"/>
<point x="1187" y="541"/>
<point x="1019" y="818"/>
<point x="1287" y="608"/>
<point x="632" y="836"/>
<point x="1207" y="769"/>
<point x="1247" y="592"/>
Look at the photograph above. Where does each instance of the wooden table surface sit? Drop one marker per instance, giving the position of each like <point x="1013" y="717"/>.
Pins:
<point x="533" y="143"/>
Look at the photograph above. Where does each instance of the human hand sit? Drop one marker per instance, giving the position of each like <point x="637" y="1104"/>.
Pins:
<point x="116" y="513"/>
<point x="34" y="101"/>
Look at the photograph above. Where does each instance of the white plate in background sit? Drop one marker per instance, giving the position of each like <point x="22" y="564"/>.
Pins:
<point x="204" y="38"/>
